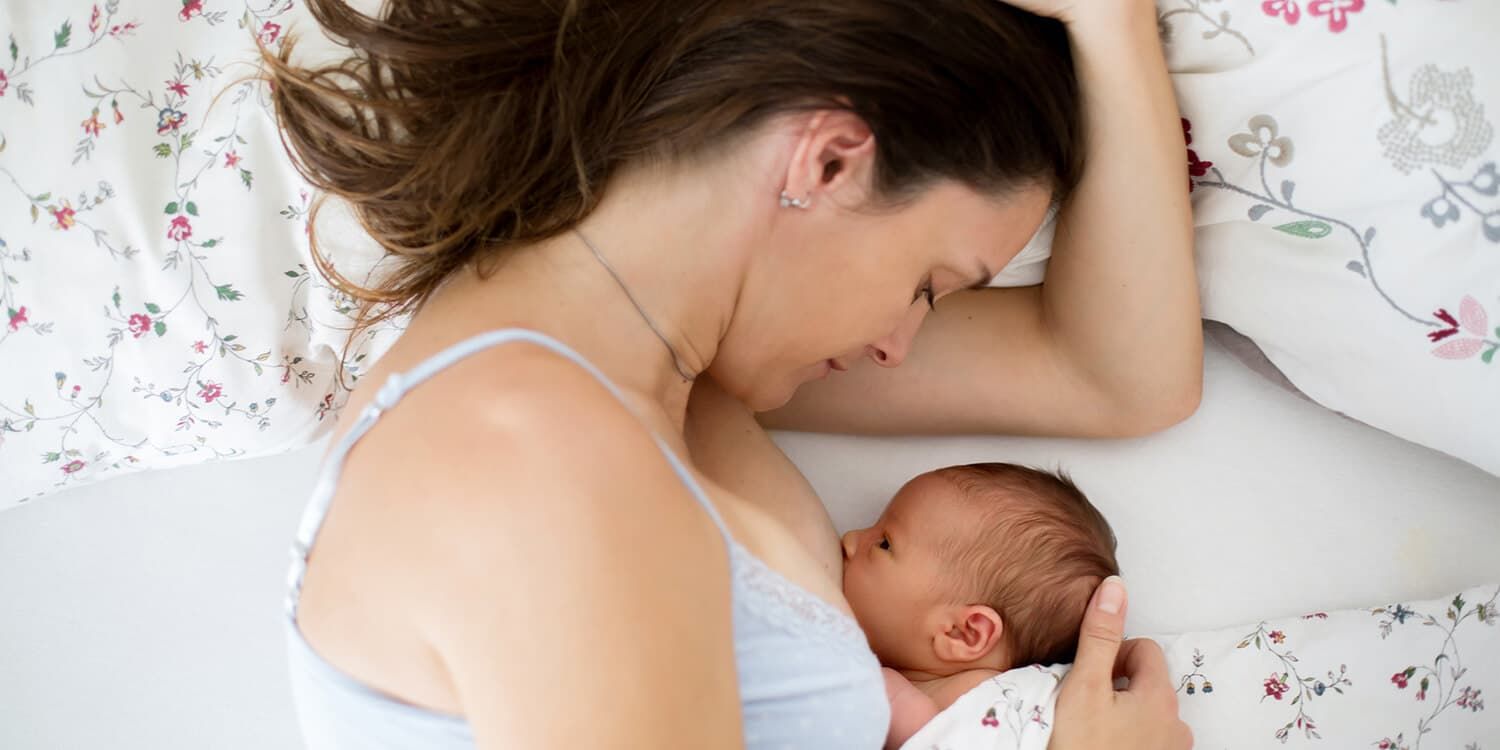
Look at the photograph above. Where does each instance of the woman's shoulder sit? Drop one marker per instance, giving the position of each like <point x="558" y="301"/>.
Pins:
<point x="503" y="420"/>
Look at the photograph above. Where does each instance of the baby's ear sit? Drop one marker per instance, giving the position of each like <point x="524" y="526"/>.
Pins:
<point x="973" y="632"/>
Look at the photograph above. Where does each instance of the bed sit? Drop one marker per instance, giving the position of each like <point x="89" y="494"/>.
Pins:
<point x="141" y="607"/>
<point x="143" y="612"/>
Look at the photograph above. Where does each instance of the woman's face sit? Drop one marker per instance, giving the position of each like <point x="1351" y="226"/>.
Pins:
<point x="836" y="284"/>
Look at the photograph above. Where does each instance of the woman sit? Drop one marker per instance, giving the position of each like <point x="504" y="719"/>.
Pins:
<point x="598" y="204"/>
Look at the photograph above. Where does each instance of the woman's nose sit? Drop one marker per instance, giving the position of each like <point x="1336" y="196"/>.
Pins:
<point x="891" y="350"/>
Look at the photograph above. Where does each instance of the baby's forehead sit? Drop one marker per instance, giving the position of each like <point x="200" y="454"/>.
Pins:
<point x="934" y="497"/>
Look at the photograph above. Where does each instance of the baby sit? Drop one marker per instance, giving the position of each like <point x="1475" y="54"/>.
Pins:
<point x="972" y="571"/>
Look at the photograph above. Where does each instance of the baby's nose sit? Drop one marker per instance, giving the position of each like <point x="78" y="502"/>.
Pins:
<point x="850" y="543"/>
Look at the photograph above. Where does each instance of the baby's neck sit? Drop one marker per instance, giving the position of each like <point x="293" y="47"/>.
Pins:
<point x="945" y="689"/>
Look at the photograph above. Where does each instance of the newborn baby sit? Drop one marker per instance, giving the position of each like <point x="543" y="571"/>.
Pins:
<point x="972" y="571"/>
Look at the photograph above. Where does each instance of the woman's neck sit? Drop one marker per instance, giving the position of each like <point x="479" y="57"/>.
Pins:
<point x="685" y="273"/>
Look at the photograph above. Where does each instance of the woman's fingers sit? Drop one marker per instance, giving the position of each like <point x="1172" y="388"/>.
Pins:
<point x="1100" y="637"/>
<point x="1141" y="661"/>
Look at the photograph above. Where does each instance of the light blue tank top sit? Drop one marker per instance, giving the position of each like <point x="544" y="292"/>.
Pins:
<point x="807" y="677"/>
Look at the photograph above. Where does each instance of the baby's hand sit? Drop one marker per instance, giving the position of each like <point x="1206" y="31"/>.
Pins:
<point x="911" y="708"/>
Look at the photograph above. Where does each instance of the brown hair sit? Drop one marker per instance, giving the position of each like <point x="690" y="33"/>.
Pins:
<point x="1040" y="550"/>
<point x="461" y="128"/>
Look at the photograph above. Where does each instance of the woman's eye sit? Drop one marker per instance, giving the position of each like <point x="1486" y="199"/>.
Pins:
<point x="885" y="543"/>
<point x="926" y="291"/>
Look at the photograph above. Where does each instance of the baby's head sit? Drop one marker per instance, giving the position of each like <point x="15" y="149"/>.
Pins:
<point x="984" y="565"/>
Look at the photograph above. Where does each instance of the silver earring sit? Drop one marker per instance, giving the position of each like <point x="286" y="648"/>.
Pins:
<point x="787" y="201"/>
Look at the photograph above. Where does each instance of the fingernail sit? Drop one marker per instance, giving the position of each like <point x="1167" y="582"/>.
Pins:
<point x="1111" y="595"/>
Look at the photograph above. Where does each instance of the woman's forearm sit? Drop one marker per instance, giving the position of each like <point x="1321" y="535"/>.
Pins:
<point x="1111" y="344"/>
<point x="1121" y="296"/>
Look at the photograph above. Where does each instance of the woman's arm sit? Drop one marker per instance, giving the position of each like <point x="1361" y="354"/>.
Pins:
<point x="1111" y="344"/>
<point x="575" y="592"/>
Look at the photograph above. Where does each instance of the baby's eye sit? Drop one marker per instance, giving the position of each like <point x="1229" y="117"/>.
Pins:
<point x="885" y="543"/>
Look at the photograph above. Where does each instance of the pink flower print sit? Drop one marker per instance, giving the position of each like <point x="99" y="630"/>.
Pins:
<point x="1471" y="320"/>
<point x="119" y="116"/>
<point x="180" y="229"/>
<point x="177" y="87"/>
<point x="269" y="32"/>
<point x="1277" y="636"/>
<point x="190" y="8"/>
<point x="1399" y="679"/>
<point x="63" y="216"/>
<point x="1469" y="698"/>
<point x="139" y="323"/>
<point x="210" y="392"/>
<point x="1275" y="686"/>
<point x="1287" y="9"/>
<point x="231" y="160"/>
<point x="126" y="28"/>
<point x="169" y="120"/>
<point x="94" y="20"/>
<point x="1447" y="317"/>
<point x="1196" y="167"/>
<point x="200" y="347"/>
<point x="1337" y="11"/>
<point x="4" y="83"/>
<point x="73" y="466"/>
<point x="92" y="126"/>
<point x="990" y="719"/>
<point x="18" y="318"/>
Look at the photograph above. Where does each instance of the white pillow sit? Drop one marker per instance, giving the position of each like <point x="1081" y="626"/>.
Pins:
<point x="1350" y="224"/>
<point x="1346" y="195"/>
<point x="157" y="304"/>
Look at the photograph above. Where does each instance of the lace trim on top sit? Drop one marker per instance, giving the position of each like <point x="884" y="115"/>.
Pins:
<point x="790" y="605"/>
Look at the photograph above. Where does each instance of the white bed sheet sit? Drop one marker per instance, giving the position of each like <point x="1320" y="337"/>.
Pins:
<point x="143" y="612"/>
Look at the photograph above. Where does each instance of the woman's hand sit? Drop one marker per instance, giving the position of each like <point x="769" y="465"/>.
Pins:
<point x="1091" y="713"/>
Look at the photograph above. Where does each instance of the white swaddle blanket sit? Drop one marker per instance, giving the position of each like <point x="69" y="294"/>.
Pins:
<point x="1012" y="710"/>
<point x="1394" y="677"/>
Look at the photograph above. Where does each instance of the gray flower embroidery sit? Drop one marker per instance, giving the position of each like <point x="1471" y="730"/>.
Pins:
<point x="1458" y="195"/>
<point x="1440" y="123"/>
<point x="1487" y="180"/>
<point x="1264" y="136"/>
<point x="1440" y="211"/>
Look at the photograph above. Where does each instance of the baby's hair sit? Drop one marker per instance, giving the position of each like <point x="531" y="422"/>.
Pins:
<point x="1038" y="552"/>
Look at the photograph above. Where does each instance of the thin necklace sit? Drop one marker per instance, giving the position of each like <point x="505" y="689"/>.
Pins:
<point x="676" y="360"/>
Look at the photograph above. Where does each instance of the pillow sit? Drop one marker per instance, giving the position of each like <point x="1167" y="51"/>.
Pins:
<point x="1345" y="179"/>
<point x="1393" y="677"/>
<point x="1345" y="197"/>
<point x="154" y="272"/>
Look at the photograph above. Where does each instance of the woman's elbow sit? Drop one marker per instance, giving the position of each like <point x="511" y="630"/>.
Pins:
<point x="1167" y="407"/>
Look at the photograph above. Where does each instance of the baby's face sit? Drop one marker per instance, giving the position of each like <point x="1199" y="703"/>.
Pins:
<point x="894" y="576"/>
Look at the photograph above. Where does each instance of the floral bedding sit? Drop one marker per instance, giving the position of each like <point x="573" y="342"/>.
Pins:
<point x="1395" y="677"/>
<point x="157" y="308"/>
<point x="1342" y="159"/>
<point x="157" y="303"/>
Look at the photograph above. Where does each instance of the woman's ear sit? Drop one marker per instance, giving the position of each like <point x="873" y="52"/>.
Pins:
<point x="971" y="634"/>
<point x="834" y="160"/>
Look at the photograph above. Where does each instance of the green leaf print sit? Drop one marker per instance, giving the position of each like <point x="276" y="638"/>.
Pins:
<point x="63" y="35"/>
<point x="1313" y="230"/>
